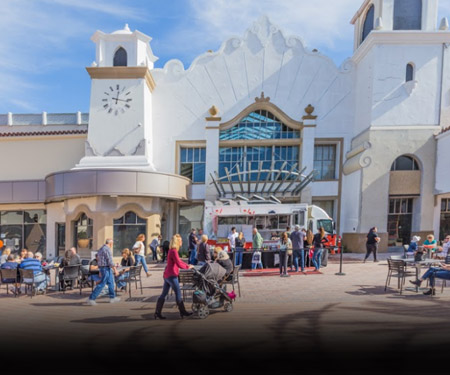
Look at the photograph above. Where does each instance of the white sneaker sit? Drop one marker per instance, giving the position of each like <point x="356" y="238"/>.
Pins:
<point x="114" y="300"/>
<point x="91" y="302"/>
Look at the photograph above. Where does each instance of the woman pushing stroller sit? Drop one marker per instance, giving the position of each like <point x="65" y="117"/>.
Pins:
<point x="174" y="264"/>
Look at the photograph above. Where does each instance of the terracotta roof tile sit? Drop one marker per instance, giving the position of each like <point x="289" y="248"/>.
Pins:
<point x="33" y="134"/>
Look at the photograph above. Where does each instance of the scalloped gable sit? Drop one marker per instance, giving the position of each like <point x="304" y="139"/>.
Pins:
<point x="263" y="60"/>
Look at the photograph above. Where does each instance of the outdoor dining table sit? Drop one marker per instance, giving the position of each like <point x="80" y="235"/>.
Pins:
<point x="420" y="264"/>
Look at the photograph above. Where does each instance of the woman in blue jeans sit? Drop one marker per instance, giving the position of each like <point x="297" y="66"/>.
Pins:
<point x="174" y="263"/>
<point x="441" y="272"/>
<point x="238" y="251"/>
<point x="127" y="262"/>
<point x="139" y="253"/>
<point x="318" y="241"/>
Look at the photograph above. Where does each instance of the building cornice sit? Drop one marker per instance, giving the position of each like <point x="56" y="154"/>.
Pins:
<point x="42" y="133"/>
<point x="123" y="72"/>
<point x="396" y="37"/>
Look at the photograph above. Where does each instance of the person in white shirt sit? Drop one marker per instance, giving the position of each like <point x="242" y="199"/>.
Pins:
<point x="232" y="240"/>
<point x="442" y="252"/>
<point x="139" y="253"/>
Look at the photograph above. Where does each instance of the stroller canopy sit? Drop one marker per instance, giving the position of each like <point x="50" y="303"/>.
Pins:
<point x="213" y="271"/>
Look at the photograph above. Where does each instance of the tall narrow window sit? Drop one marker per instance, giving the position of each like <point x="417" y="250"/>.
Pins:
<point x="126" y="230"/>
<point x="368" y="22"/>
<point x="325" y="162"/>
<point x="409" y="72"/>
<point x="192" y="163"/>
<point x="120" y="57"/>
<point x="407" y="14"/>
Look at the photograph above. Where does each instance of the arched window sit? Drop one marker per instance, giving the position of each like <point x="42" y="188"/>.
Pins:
<point x="407" y="14"/>
<point x="120" y="57"/>
<point x="258" y="125"/>
<point x="368" y="22"/>
<point x="83" y="232"/>
<point x="404" y="163"/>
<point x="126" y="230"/>
<point x="409" y="72"/>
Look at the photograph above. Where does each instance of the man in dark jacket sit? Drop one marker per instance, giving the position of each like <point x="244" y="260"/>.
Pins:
<point x="297" y="239"/>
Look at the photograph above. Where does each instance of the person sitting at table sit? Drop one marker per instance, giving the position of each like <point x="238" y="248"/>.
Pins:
<point x="203" y="254"/>
<point x="442" y="251"/>
<point x="431" y="244"/>
<point x="22" y="255"/>
<point x="224" y="260"/>
<point x="414" y="244"/>
<point x="71" y="258"/>
<point x="127" y="262"/>
<point x="40" y="278"/>
<point x="11" y="264"/>
<point x="441" y="272"/>
<point x="5" y="255"/>
<point x="38" y="256"/>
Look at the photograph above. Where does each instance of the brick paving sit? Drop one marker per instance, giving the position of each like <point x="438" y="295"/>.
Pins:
<point x="330" y="316"/>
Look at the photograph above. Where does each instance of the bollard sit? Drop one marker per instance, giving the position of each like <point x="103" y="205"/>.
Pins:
<point x="340" y="273"/>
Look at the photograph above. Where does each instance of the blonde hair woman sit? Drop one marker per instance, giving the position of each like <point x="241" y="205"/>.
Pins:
<point x="203" y="254"/>
<point x="139" y="253"/>
<point x="174" y="264"/>
<point x="127" y="262"/>
<point x="5" y="254"/>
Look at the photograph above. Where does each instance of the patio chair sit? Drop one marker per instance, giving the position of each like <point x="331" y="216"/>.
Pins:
<point x="27" y="277"/>
<point x="233" y="278"/>
<point x="186" y="280"/>
<point x="9" y="277"/>
<point x="134" y="275"/>
<point x="71" y="274"/>
<point x="397" y="268"/>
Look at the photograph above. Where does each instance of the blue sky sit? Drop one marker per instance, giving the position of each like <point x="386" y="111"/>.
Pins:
<point x="46" y="44"/>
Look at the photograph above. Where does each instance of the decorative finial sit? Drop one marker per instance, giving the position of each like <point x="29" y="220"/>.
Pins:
<point x="126" y="28"/>
<point x="209" y="51"/>
<point x="309" y="110"/>
<point x="262" y="98"/>
<point x="444" y="24"/>
<point x="213" y="111"/>
<point x="94" y="64"/>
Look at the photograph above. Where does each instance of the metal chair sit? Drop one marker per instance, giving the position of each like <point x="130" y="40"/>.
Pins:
<point x="186" y="280"/>
<point x="397" y="268"/>
<point x="72" y="274"/>
<point x="8" y="277"/>
<point x="27" y="277"/>
<point x="134" y="275"/>
<point x="233" y="278"/>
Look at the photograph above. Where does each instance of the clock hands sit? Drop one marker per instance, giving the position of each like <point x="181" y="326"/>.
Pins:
<point x="122" y="100"/>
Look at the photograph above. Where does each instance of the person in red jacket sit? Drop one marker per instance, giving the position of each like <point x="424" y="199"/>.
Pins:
<point x="174" y="263"/>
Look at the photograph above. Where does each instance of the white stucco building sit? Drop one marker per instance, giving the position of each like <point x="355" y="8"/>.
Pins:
<point x="145" y="156"/>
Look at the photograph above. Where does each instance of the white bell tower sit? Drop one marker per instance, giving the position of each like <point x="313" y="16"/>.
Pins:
<point x="120" y="114"/>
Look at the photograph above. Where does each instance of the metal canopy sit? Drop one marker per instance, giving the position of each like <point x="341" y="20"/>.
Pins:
<point x="278" y="183"/>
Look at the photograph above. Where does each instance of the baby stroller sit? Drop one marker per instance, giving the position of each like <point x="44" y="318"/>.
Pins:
<point x="208" y="293"/>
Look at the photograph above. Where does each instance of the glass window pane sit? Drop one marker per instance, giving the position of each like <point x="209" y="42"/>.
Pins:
<point x="125" y="236"/>
<point x="141" y="220"/>
<point x="130" y="218"/>
<point x="203" y="154"/>
<point x="11" y="217"/>
<point x="35" y="216"/>
<point x="35" y="237"/>
<point x="190" y="155"/>
<point x="186" y="170"/>
<point x="183" y="155"/>
<point x="199" y="172"/>
<point x="12" y="237"/>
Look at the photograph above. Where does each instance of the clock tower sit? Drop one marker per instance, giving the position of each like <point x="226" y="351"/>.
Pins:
<point x="120" y="114"/>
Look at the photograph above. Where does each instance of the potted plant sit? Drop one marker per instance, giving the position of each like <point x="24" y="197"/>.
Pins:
<point x="82" y="239"/>
<point x="398" y="242"/>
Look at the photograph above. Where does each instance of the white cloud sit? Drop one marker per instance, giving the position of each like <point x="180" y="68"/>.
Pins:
<point x="37" y="36"/>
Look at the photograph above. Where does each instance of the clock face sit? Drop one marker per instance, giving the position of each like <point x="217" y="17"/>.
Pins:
<point x="116" y="99"/>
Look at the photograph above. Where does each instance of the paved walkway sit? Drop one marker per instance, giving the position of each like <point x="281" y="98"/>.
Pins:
<point x="315" y="322"/>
